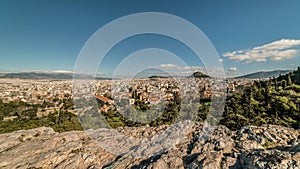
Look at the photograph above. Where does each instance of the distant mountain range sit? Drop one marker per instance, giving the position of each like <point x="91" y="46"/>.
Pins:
<point x="157" y="77"/>
<point x="194" y="75"/>
<point x="61" y="75"/>
<point x="48" y="75"/>
<point x="265" y="74"/>
<point x="36" y="75"/>
<point x="256" y="75"/>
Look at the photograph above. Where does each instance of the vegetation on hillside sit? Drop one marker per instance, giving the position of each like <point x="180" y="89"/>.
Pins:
<point x="275" y="101"/>
<point x="19" y="115"/>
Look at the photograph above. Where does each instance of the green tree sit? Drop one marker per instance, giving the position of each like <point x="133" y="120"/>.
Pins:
<point x="289" y="80"/>
<point x="284" y="84"/>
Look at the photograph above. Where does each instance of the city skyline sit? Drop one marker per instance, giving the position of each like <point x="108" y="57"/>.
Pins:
<point x="248" y="37"/>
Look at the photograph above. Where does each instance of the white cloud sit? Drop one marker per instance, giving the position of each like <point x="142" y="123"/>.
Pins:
<point x="234" y="69"/>
<point x="62" y="71"/>
<point x="48" y="71"/>
<point x="221" y="60"/>
<point x="276" y="51"/>
<point x="175" y="67"/>
<point x="179" y="70"/>
<point x="167" y="66"/>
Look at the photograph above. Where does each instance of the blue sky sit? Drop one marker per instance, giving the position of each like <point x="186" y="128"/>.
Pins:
<point x="249" y="35"/>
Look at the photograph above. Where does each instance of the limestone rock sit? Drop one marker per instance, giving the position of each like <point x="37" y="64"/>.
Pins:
<point x="250" y="147"/>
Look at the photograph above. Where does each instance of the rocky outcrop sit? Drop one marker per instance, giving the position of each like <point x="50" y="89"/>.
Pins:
<point x="44" y="148"/>
<point x="251" y="147"/>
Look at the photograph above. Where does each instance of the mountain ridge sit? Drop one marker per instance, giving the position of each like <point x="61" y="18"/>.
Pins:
<point x="69" y="75"/>
<point x="264" y="74"/>
<point x="40" y="75"/>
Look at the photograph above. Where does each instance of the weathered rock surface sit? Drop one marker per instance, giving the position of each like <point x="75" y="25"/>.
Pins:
<point x="251" y="147"/>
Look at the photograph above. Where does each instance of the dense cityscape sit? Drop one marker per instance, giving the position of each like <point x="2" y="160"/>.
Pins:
<point x="148" y="91"/>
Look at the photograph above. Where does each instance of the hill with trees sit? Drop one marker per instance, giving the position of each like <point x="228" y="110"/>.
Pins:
<point x="275" y="101"/>
<point x="20" y="115"/>
<point x="199" y="75"/>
